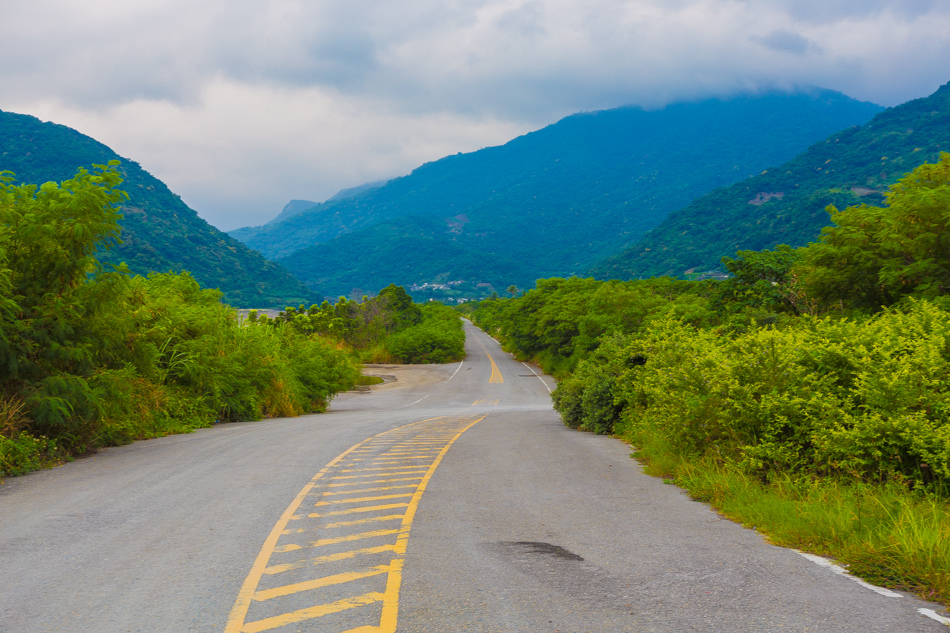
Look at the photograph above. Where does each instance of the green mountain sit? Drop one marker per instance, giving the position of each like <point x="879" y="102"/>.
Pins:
<point x="786" y="205"/>
<point x="412" y="250"/>
<point x="159" y="231"/>
<point x="556" y="200"/>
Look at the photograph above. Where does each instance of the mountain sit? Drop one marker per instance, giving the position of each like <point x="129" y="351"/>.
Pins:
<point x="411" y="250"/>
<point x="558" y="199"/>
<point x="294" y="207"/>
<point x="786" y="205"/>
<point x="159" y="231"/>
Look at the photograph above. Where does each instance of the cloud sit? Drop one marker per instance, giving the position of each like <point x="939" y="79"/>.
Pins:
<point x="290" y="99"/>
<point x="322" y="141"/>
<point x="782" y="40"/>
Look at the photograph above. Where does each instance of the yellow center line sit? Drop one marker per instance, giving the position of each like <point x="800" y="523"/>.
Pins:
<point x="495" y="373"/>
<point x="318" y="583"/>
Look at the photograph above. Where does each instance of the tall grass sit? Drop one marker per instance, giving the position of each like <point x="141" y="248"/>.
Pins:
<point x="882" y="532"/>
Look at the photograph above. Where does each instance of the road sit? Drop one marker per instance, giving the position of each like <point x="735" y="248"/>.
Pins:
<point x="452" y="499"/>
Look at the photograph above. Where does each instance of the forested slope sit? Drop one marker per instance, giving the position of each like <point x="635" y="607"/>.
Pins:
<point x="563" y="197"/>
<point x="787" y="204"/>
<point x="159" y="231"/>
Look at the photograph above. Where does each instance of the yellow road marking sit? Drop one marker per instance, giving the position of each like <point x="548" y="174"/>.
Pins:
<point x="404" y="472"/>
<point x="312" y="612"/>
<point x="235" y="623"/>
<point x="330" y="558"/>
<point x="386" y="506"/>
<point x="388" y="517"/>
<point x="390" y="596"/>
<point x="495" y="373"/>
<point x="364" y="470"/>
<point x="326" y="581"/>
<point x="374" y="481"/>
<point x="353" y="492"/>
<point x="391" y="460"/>
<point x="361" y="499"/>
<point x="280" y="549"/>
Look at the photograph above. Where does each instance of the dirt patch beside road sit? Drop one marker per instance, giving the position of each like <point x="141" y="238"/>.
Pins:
<point x="412" y="376"/>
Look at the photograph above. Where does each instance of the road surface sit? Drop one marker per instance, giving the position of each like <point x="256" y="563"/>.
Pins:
<point x="452" y="499"/>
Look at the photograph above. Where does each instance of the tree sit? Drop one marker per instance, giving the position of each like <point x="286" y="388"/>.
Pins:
<point x="874" y="256"/>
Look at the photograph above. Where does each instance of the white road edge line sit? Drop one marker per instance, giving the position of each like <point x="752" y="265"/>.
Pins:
<point x="531" y="369"/>
<point x="416" y="402"/>
<point x="824" y="562"/>
<point x="456" y="371"/>
<point x="933" y="615"/>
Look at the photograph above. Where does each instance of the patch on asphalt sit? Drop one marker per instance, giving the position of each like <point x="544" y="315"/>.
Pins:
<point x="538" y="547"/>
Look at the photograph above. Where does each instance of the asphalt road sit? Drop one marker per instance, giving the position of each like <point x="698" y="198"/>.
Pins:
<point x="450" y="500"/>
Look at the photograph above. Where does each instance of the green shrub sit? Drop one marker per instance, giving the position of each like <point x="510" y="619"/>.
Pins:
<point x="868" y="399"/>
<point x="440" y="338"/>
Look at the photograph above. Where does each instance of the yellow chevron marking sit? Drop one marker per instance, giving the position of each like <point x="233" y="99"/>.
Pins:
<point x="312" y="612"/>
<point x="330" y="558"/>
<point x="336" y="513"/>
<point x="361" y="499"/>
<point x="443" y="431"/>
<point x="326" y="581"/>
<point x="375" y="481"/>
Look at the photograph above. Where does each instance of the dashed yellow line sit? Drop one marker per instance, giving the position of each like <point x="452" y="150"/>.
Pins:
<point x="367" y="578"/>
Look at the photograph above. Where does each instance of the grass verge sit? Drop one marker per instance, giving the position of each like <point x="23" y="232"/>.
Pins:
<point x="884" y="533"/>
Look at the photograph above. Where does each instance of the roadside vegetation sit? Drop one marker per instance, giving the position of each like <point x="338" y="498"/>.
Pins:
<point x="92" y="356"/>
<point x="807" y="395"/>
<point x="387" y="328"/>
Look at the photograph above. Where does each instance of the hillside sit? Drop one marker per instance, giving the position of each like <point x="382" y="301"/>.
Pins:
<point x="787" y="204"/>
<point x="159" y="231"/>
<point x="561" y="198"/>
<point x="411" y="250"/>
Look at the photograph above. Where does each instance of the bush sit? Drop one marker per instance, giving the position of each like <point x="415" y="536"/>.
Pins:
<point x="440" y="338"/>
<point x="867" y="399"/>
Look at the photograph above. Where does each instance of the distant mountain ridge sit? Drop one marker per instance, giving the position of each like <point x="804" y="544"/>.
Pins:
<point x="551" y="202"/>
<point x="159" y="231"/>
<point x="787" y="204"/>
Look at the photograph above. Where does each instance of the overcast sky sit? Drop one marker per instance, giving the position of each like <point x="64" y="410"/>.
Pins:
<point x="240" y="105"/>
